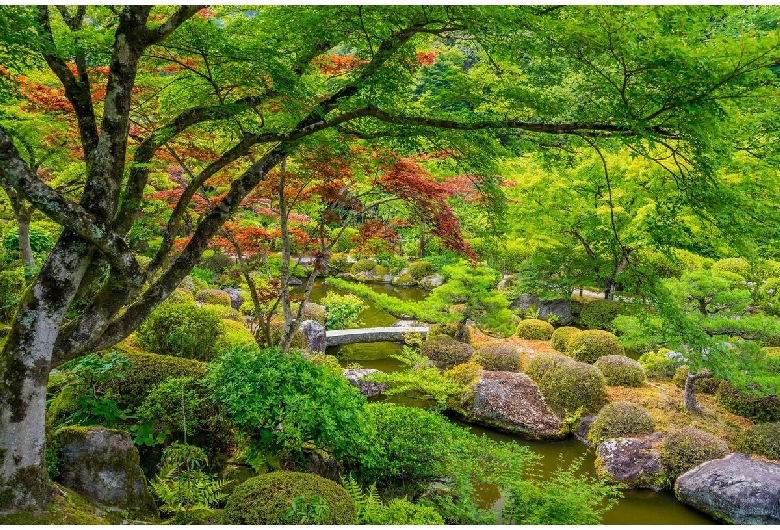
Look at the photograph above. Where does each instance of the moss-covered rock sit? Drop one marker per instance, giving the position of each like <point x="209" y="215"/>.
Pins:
<point x="589" y="345"/>
<point x="534" y="329"/>
<point x="213" y="297"/>
<point x="267" y="499"/>
<point x="104" y="466"/>
<point x="762" y="439"/>
<point x="620" y="420"/>
<point x="67" y="508"/>
<point x="561" y="337"/>
<point x="499" y="358"/>
<point x="446" y="352"/>
<point x="760" y="408"/>
<point x="632" y="462"/>
<point x="621" y="370"/>
<point x="685" y="448"/>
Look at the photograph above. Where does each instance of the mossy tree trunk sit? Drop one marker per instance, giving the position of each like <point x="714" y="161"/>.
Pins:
<point x="689" y="394"/>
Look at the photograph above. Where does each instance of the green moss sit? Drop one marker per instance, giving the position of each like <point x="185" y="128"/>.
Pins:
<point x="683" y="449"/>
<point x="621" y="371"/>
<point x="534" y="329"/>
<point x="589" y="345"/>
<point x="213" y="297"/>
<point x="560" y="338"/>
<point x="620" y="420"/>
<point x="266" y="499"/>
<point x="68" y="507"/>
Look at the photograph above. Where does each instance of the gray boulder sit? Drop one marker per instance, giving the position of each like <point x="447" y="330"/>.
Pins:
<point x="432" y="281"/>
<point x="367" y="388"/>
<point x="103" y="465"/>
<point x="735" y="489"/>
<point x="294" y="281"/>
<point x="314" y="332"/>
<point x="512" y="402"/>
<point x="561" y="308"/>
<point x="236" y="297"/>
<point x="634" y="462"/>
<point x="583" y="428"/>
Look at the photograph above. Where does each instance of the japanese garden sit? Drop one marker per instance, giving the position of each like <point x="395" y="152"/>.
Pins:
<point x="389" y="265"/>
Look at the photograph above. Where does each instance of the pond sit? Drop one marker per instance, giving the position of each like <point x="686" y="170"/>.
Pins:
<point x="636" y="507"/>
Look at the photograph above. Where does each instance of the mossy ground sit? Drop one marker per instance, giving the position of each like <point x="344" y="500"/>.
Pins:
<point x="68" y="508"/>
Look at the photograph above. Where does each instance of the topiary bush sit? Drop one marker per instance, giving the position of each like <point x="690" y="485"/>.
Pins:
<point x="762" y="439"/>
<point x="544" y="364"/>
<point x="213" y="297"/>
<point x="236" y="334"/>
<point x="499" y="358"/>
<point x="738" y="266"/>
<point x="446" y="352"/>
<point x="12" y="284"/>
<point x="338" y="263"/>
<point x="182" y="330"/>
<point x="589" y="345"/>
<point x="561" y="337"/>
<point x="683" y="449"/>
<point x="217" y="262"/>
<point x="180" y="296"/>
<point x="420" y="269"/>
<point x="620" y="420"/>
<point x="534" y="329"/>
<point x="756" y="407"/>
<point x="658" y="365"/>
<point x="363" y="265"/>
<point x="268" y="499"/>
<point x="572" y="385"/>
<point x="621" y="370"/>
<point x="451" y="329"/>
<point x="599" y="314"/>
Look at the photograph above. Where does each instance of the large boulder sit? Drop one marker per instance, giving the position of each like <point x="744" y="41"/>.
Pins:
<point x="236" y="297"/>
<point x="561" y="307"/>
<point x="356" y="377"/>
<point x="735" y="489"/>
<point x="634" y="462"/>
<point x="314" y="332"/>
<point x="512" y="402"/>
<point x="103" y="465"/>
<point x="432" y="281"/>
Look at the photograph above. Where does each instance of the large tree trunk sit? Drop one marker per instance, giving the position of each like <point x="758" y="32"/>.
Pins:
<point x="23" y="218"/>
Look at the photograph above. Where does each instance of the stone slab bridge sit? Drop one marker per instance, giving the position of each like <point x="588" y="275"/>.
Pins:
<point x="337" y="337"/>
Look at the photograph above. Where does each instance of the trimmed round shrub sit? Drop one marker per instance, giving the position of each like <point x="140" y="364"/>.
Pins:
<point x="312" y="311"/>
<point x="561" y="337"/>
<point x="544" y="365"/>
<point x="657" y="365"/>
<point x="683" y="449"/>
<point x="446" y="352"/>
<point x="180" y="296"/>
<point x="499" y="358"/>
<point x="266" y="499"/>
<point x="756" y="407"/>
<point x="589" y="345"/>
<point x="236" y="334"/>
<point x="420" y="269"/>
<point x="182" y="330"/>
<point x="226" y="312"/>
<point x="621" y="370"/>
<point x="620" y="420"/>
<point x="738" y="266"/>
<point x="599" y="314"/>
<point x="363" y="265"/>
<point x="534" y="329"/>
<point x="762" y="439"/>
<point x="450" y="329"/>
<point x="573" y="385"/>
<point x="213" y="297"/>
<point x="217" y="262"/>
<point x="338" y="263"/>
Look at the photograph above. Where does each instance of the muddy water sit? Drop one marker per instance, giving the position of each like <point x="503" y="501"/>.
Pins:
<point x="636" y="507"/>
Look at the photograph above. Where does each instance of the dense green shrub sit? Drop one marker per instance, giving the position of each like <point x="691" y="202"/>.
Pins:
<point x="756" y="407"/>
<point x="591" y="344"/>
<point x="182" y="330"/>
<point x="561" y="337"/>
<point x="268" y="499"/>
<point x="180" y="296"/>
<point x="762" y="439"/>
<point x="217" y="262"/>
<point x="213" y="297"/>
<point x="599" y="314"/>
<point x="342" y="310"/>
<point x="639" y="335"/>
<point x="312" y="311"/>
<point x="236" y="334"/>
<point x="226" y="312"/>
<point x="572" y="385"/>
<point x="284" y="401"/>
<point x="338" y="263"/>
<point x="768" y="296"/>
<point x="499" y="358"/>
<point x="620" y="420"/>
<point x="363" y="265"/>
<point x="450" y="329"/>
<point x="420" y="269"/>
<point x="621" y="370"/>
<point x="738" y="266"/>
<point x="12" y="284"/>
<point x="534" y="329"/>
<point x="446" y="352"/>
<point x="657" y="365"/>
<point x="373" y="511"/>
<point x="544" y="365"/>
<point x="277" y="328"/>
<point x="683" y="449"/>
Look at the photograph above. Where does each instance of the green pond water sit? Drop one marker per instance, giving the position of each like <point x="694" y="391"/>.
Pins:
<point x="637" y="507"/>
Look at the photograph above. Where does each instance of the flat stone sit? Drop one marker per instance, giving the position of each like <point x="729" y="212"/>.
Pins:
<point x="367" y="388"/>
<point x="512" y="402"/>
<point x="337" y="337"/>
<point x="735" y="489"/>
<point x="634" y="462"/>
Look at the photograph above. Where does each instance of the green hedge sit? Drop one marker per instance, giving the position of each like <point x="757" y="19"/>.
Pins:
<point x="599" y="314"/>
